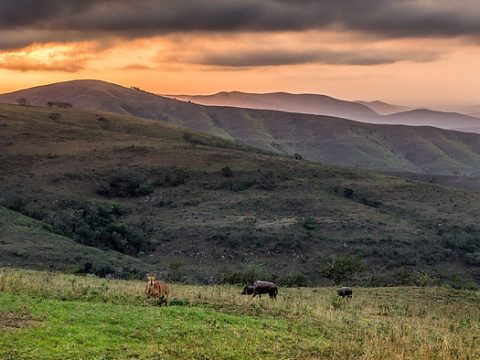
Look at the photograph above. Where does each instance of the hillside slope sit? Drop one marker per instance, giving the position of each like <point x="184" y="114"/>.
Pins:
<point x="200" y="208"/>
<point x="25" y="242"/>
<point x="319" y="138"/>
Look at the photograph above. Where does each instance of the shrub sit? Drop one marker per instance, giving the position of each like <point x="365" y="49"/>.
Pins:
<point x="59" y="104"/>
<point x="126" y="183"/>
<point x="235" y="185"/>
<point x="342" y="268"/>
<point x="179" y="302"/>
<point x="310" y="224"/>
<point x="298" y="280"/>
<point x="170" y="176"/>
<point x="226" y="172"/>
<point x="54" y="116"/>
<point x="175" y="272"/>
<point x="14" y="200"/>
<point x="267" y="182"/>
<point x="193" y="139"/>
<point x="100" y="226"/>
<point x="247" y="276"/>
<point x="348" y="193"/>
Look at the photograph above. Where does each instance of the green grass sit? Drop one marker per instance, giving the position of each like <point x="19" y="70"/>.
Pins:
<point x="79" y="330"/>
<point x="57" y="320"/>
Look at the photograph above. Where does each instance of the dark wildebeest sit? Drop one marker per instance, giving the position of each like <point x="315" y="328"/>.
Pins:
<point x="261" y="287"/>
<point x="345" y="291"/>
<point x="247" y="290"/>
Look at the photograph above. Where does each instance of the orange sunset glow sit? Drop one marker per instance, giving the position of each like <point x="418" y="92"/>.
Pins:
<point x="194" y="50"/>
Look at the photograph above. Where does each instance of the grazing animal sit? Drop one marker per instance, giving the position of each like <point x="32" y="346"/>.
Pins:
<point x="247" y="290"/>
<point x="261" y="287"/>
<point x="157" y="289"/>
<point x="345" y="291"/>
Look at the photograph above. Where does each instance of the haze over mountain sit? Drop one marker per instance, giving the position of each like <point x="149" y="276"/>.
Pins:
<point x="318" y="138"/>
<point x="445" y="120"/>
<point x="281" y="101"/>
<point x="384" y="108"/>
<point x="375" y="112"/>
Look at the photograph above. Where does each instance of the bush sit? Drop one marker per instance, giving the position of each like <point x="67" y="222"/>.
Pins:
<point x="342" y="268"/>
<point x="100" y="226"/>
<point x="170" y="176"/>
<point x="193" y="139"/>
<point x="128" y="183"/>
<point x="179" y="302"/>
<point x="310" y="224"/>
<point x="14" y="200"/>
<point x="226" y="172"/>
<point x="298" y="280"/>
<point x="267" y="182"/>
<point x="54" y="116"/>
<point x="235" y="185"/>
<point x="247" y="276"/>
<point x="348" y="193"/>
<point x="175" y="272"/>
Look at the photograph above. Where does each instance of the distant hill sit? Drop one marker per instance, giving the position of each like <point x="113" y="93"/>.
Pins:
<point x="472" y="111"/>
<point x="425" y="117"/>
<point x="124" y="195"/>
<point x="281" y="101"/>
<point x="384" y="108"/>
<point x="318" y="138"/>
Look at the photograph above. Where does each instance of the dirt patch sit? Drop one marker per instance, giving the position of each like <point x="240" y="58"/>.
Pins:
<point x="16" y="320"/>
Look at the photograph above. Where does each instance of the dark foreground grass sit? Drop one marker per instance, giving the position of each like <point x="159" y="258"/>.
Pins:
<point x="80" y="330"/>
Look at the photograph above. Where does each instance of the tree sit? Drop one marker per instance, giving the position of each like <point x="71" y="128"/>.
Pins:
<point x="342" y="268"/>
<point x="54" y="116"/>
<point x="189" y="138"/>
<point x="22" y="101"/>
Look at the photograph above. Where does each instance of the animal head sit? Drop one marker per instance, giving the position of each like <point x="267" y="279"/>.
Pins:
<point x="247" y="290"/>
<point x="151" y="279"/>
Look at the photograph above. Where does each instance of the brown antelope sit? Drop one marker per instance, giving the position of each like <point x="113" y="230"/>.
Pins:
<point x="157" y="289"/>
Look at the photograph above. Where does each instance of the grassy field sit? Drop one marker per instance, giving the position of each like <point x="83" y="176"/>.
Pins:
<point x="57" y="316"/>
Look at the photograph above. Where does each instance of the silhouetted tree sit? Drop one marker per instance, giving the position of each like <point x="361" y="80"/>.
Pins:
<point x="22" y="101"/>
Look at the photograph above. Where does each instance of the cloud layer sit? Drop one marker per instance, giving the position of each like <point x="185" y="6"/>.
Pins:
<point x="137" y="18"/>
<point x="24" y="23"/>
<point x="276" y="57"/>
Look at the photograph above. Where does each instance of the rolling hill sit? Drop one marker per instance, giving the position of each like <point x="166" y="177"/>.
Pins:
<point x="375" y="112"/>
<point x="444" y="120"/>
<point x="281" y="101"/>
<point x="318" y="138"/>
<point x="384" y="108"/>
<point x="195" y="207"/>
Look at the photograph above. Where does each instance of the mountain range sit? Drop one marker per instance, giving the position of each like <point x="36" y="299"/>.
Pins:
<point x="319" y="138"/>
<point x="375" y="112"/>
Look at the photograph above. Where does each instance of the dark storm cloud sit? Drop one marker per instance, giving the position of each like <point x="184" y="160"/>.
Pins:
<point x="277" y="57"/>
<point x="136" y="18"/>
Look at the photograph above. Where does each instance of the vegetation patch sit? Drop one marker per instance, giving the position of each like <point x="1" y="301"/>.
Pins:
<point x="10" y="320"/>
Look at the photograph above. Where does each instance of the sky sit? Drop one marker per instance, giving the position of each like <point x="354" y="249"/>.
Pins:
<point x="411" y="52"/>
